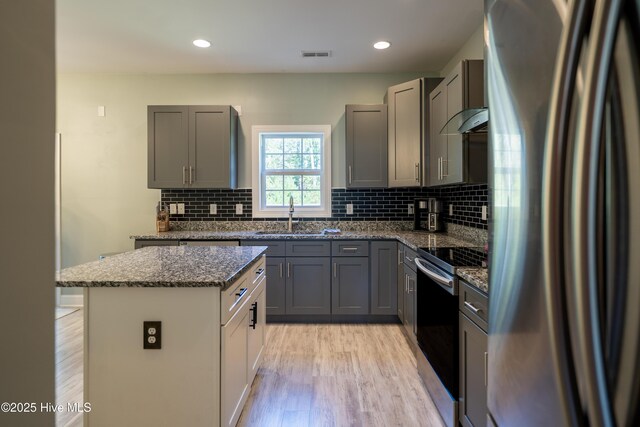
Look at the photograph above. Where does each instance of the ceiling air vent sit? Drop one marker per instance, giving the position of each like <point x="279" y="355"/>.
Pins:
<point x="316" y="54"/>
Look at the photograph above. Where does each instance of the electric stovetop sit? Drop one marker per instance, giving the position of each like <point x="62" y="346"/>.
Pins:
<point x="451" y="258"/>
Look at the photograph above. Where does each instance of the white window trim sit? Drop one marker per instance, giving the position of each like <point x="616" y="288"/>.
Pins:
<point x="283" y="212"/>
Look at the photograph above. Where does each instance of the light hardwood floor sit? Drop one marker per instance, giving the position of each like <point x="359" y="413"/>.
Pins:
<point x="312" y="375"/>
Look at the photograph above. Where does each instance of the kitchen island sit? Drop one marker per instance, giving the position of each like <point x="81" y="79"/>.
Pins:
<point x="194" y="364"/>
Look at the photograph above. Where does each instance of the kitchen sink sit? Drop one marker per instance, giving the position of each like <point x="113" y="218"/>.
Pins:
<point x="291" y="233"/>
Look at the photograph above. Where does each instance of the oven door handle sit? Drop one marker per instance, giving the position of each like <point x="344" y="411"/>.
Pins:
<point x="445" y="281"/>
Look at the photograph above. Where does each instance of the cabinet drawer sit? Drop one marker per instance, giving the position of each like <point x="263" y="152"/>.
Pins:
<point x="276" y="247"/>
<point x="308" y="248"/>
<point x="409" y="257"/>
<point x="234" y="297"/>
<point x="474" y="304"/>
<point x="350" y="248"/>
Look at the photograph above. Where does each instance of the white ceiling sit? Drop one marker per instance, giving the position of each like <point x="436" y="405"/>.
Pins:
<point x="261" y="36"/>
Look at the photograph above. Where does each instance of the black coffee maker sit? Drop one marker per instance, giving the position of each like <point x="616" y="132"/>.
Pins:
<point x="428" y="210"/>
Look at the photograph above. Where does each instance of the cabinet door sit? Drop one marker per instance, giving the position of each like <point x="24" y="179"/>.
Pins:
<point x="212" y="147"/>
<point x="308" y="289"/>
<point x="350" y="285"/>
<point x="366" y="146"/>
<point x="168" y="137"/>
<point x="437" y="142"/>
<point x="401" y="282"/>
<point x="473" y="374"/>
<point x="257" y="331"/>
<point x="234" y="373"/>
<point x="405" y="136"/>
<point x="409" y="301"/>
<point x="384" y="276"/>
<point x="276" y="285"/>
<point x="455" y="103"/>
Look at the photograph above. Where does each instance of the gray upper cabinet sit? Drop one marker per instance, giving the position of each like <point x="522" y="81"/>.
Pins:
<point x="405" y="136"/>
<point x="457" y="159"/>
<point x="192" y="146"/>
<point x="384" y="277"/>
<point x="366" y="146"/>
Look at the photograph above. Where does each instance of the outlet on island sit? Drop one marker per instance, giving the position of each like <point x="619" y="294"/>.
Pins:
<point x="152" y="335"/>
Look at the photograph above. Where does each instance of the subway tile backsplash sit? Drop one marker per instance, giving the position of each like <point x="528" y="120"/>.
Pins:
<point x="382" y="204"/>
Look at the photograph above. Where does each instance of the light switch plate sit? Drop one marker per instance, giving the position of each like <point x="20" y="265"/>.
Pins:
<point x="180" y="208"/>
<point x="410" y="209"/>
<point x="213" y="209"/>
<point x="173" y="209"/>
<point x="450" y="210"/>
<point x="239" y="209"/>
<point x="101" y="112"/>
<point x="350" y="209"/>
<point x="484" y="213"/>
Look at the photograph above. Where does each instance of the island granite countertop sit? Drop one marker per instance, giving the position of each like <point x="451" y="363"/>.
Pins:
<point x="476" y="276"/>
<point x="168" y="266"/>
<point x="413" y="239"/>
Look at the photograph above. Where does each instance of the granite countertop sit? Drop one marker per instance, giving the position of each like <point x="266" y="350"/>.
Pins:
<point x="478" y="277"/>
<point x="413" y="239"/>
<point x="167" y="266"/>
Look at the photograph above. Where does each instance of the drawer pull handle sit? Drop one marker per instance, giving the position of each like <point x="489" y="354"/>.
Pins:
<point x="408" y="259"/>
<point x="259" y="271"/>
<point x="241" y="293"/>
<point x="350" y="249"/>
<point x="472" y="307"/>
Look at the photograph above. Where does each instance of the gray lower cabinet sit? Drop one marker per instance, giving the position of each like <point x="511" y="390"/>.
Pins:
<point x="139" y="244"/>
<point x="366" y="146"/>
<point x="192" y="146"/>
<point x="276" y="285"/>
<point x="473" y="374"/>
<point x="474" y="311"/>
<point x="350" y="285"/>
<point x="384" y="276"/>
<point x="308" y="285"/>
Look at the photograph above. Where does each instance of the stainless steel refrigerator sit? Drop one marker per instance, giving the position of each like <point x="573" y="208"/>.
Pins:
<point x="563" y="82"/>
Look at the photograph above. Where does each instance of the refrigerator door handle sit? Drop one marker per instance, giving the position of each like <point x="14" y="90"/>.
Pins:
<point x="553" y="196"/>
<point x="584" y="206"/>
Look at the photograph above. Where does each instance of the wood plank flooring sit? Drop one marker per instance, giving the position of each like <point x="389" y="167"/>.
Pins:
<point x="312" y="375"/>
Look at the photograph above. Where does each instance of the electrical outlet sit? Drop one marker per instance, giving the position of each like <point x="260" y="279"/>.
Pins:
<point x="239" y="209"/>
<point x="450" y="210"/>
<point x="180" y="208"/>
<point x="152" y="335"/>
<point x="101" y="112"/>
<point x="350" y="209"/>
<point x="484" y="213"/>
<point x="173" y="208"/>
<point x="213" y="209"/>
<point x="410" y="209"/>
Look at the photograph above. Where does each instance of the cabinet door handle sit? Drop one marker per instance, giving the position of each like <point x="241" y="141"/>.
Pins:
<point x="439" y="168"/>
<point x="288" y="269"/>
<point x="184" y="175"/>
<point x="472" y="307"/>
<point x="400" y="256"/>
<point x="281" y="269"/>
<point x="190" y="175"/>
<point x="445" y="161"/>
<point x="416" y="172"/>
<point x="350" y="180"/>
<point x="486" y="368"/>
<point x="254" y="314"/>
<point x="334" y="270"/>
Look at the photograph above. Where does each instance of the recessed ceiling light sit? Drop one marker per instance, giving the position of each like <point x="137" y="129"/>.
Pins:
<point x="381" y="45"/>
<point x="201" y="43"/>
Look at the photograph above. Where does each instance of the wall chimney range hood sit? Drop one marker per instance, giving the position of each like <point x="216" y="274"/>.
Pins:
<point x="471" y="120"/>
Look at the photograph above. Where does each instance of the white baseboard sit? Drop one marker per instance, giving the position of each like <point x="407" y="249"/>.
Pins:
<point x="71" y="300"/>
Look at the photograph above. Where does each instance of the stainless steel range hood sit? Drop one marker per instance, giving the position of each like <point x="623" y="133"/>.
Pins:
<point x="471" y="120"/>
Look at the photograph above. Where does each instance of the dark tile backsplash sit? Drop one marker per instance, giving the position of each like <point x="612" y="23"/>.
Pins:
<point x="384" y="204"/>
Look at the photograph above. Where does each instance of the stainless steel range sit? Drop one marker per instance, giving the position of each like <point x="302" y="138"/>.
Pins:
<point x="437" y="323"/>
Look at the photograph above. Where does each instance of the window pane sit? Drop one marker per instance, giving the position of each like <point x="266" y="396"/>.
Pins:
<point x="292" y="145"/>
<point x="312" y="145"/>
<point x="297" y="197"/>
<point x="273" y="161"/>
<point x="311" y="198"/>
<point x="274" y="198"/>
<point x="292" y="161"/>
<point x="311" y="182"/>
<point x="311" y="161"/>
<point x="274" y="182"/>
<point x="293" y="182"/>
<point x="273" y="145"/>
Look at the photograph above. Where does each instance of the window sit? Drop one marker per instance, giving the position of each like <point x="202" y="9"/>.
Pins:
<point x="291" y="161"/>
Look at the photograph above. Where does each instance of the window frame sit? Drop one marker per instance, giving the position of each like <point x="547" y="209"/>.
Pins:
<point x="259" y="208"/>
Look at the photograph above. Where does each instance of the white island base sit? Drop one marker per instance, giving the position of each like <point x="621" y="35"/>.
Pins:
<point x="212" y="345"/>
